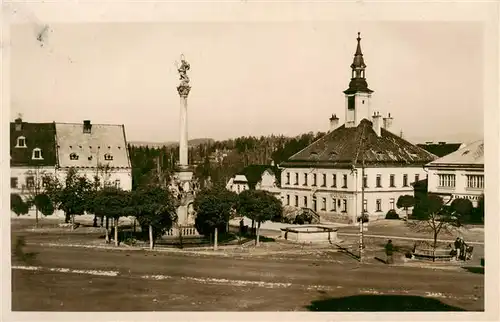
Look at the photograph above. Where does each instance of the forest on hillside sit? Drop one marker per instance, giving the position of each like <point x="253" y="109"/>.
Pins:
<point x="217" y="160"/>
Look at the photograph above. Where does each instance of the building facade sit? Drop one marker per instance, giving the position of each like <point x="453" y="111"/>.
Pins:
<point x="32" y="156"/>
<point x="94" y="150"/>
<point x="329" y="175"/>
<point x="459" y="174"/>
<point x="258" y="177"/>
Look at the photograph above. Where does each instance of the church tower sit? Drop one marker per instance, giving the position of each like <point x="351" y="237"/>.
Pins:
<point x="358" y="95"/>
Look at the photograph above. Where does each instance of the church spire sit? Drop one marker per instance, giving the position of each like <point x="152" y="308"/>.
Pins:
<point x="358" y="82"/>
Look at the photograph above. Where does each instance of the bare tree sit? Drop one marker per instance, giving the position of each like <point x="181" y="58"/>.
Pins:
<point x="35" y="186"/>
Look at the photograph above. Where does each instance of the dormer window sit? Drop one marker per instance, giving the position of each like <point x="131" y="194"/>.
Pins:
<point x="21" y="142"/>
<point x="108" y="157"/>
<point x="73" y="156"/>
<point x="37" y="154"/>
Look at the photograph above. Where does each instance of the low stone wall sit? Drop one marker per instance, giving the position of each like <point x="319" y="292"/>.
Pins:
<point x="309" y="234"/>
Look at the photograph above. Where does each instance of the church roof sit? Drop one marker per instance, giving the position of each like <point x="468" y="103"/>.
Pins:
<point x="37" y="135"/>
<point x="470" y="155"/>
<point x="343" y="148"/>
<point x="104" y="145"/>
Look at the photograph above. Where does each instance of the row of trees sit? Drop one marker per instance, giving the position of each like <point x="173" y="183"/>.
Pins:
<point x="152" y="204"/>
<point x="459" y="207"/>
<point x="432" y="214"/>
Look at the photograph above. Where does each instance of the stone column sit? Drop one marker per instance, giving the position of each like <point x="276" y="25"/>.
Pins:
<point x="183" y="138"/>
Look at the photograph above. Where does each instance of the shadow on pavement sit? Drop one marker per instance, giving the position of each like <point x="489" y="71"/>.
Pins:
<point x="381" y="303"/>
<point x="474" y="269"/>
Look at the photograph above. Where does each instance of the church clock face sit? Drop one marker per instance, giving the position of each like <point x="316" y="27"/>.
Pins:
<point x="350" y="102"/>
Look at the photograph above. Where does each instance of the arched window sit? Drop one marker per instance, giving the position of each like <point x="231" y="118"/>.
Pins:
<point x="21" y="142"/>
<point x="73" y="156"/>
<point x="37" y="154"/>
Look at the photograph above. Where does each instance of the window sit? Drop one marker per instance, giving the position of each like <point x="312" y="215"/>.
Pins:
<point x="296" y="179"/>
<point x="288" y="200"/>
<point x="379" y="181"/>
<point x="21" y="142"/>
<point x="37" y="154"/>
<point x="334" y="204"/>
<point x="334" y="183"/>
<point x="45" y="182"/>
<point x="288" y="178"/>
<point x="73" y="156"/>
<point x="305" y="201"/>
<point x="324" y="181"/>
<point x="344" y="184"/>
<point x="391" y="181"/>
<point x="475" y="181"/>
<point x="30" y="181"/>
<point x="379" y="204"/>
<point x="391" y="203"/>
<point x="305" y="179"/>
<point x="296" y="201"/>
<point x="405" y="180"/>
<point x="315" y="207"/>
<point x="365" y="205"/>
<point x="323" y="204"/>
<point x="350" y="102"/>
<point x="447" y="180"/>
<point x="365" y="181"/>
<point x="13" y="182"/>
<point x="417" y="177"/>
<point x="117" y="183"/>
<point x="314" y="180"/>
<point x="108" y="157"/>
<point x="344" y="205"/>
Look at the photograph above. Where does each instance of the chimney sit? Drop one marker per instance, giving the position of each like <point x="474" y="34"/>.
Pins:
<point x="376" y="121"/>
<point x="19" y="123"/>
<point x="87" y="127"/>
<point x="388" y="122"/>
<point x="334" y="122"/>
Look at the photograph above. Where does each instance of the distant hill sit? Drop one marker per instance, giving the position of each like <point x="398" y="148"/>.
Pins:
<point x="193" y="142"/>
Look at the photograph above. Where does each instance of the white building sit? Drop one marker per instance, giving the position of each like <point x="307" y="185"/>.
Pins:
<point x="459" y="174"/>
<point x="237" y="183"/>
<point x="94" y="150"/>
<point x="327" y="176"/>
<point x="256" y="176"/>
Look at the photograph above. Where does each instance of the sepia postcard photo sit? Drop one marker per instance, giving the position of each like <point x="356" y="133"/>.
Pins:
<point x="299" y="160"/>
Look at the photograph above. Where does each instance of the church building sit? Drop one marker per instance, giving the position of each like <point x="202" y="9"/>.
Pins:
<point x="327" y="176"/>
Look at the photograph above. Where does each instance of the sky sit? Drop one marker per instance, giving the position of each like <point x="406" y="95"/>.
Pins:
<point x="249" y="78"/>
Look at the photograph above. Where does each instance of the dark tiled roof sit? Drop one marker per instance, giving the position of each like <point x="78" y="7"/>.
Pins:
<point x="342" y="148"/>
<point x="254" y="172"/>
<point x="440" y="149"/>
<point x="38" y="135"/>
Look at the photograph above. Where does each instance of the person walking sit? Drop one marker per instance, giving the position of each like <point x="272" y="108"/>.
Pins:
<point x="389" y="249"/>
<point x="458" y="244"/>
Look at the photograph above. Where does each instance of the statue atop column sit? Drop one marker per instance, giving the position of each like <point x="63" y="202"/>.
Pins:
<point x="183" y="87"/>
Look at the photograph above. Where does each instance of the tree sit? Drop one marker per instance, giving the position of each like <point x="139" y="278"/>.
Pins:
<point x="35" y="188"/>
<point x="44" y="204"/>
<point x="260" y="206"/>
<point x="479" y="210"/>
<point x="405" y="202"/>
<point x="463" y="208"/>
<point x="154" y="207"/>
<point x="111" y="202"/>
<point x="213" y="210"/>
<point x="434" y="217"/>
<point x="17" y="204"/>
<point x="70" y="195"/>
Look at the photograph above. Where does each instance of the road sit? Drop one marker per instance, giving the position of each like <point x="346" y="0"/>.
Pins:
<point x="67" y="279"/>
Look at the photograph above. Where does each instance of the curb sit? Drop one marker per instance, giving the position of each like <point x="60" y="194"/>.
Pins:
<point x="406" y="238"/>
